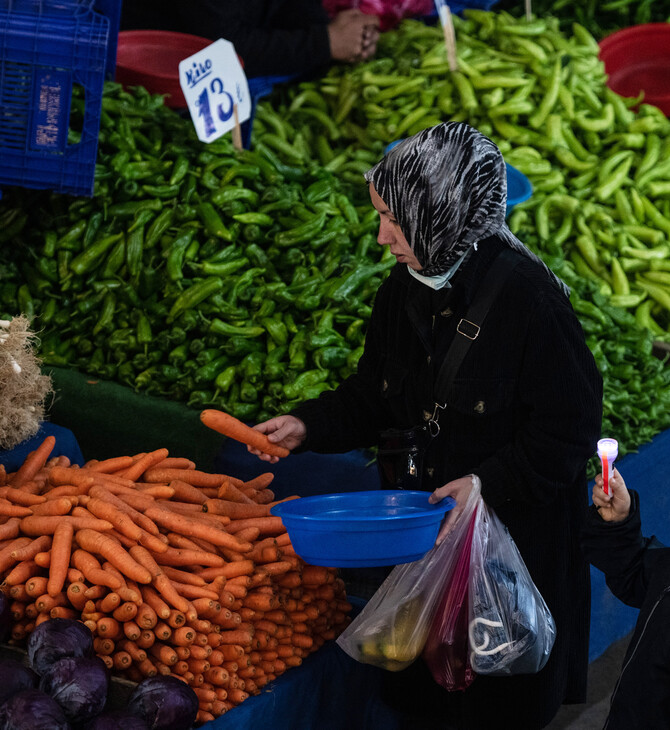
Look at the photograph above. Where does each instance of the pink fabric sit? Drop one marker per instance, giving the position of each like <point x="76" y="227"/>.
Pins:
<point x="389" y="12"/>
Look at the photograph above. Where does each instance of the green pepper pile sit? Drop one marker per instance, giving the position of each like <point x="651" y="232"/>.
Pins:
<point x="201" y="273"/>
<point x="244" y="280"/>
<point x="600" y="18"/>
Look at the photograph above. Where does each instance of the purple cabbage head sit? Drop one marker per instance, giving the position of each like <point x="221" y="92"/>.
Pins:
<point x="120" y="720"/>
<point x="31" y="709"/>
<point x="165" y="703"/>
<point x="79" y="685"/>
<point x="14" y="677"/>
<point x="58" y="638"/>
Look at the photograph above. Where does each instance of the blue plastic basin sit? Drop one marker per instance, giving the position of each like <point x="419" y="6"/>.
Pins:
<point x="363" y="529"/>
<point x="519" y="188"/>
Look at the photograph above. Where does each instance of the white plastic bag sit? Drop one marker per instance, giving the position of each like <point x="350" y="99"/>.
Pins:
<point x="391" y="630"/>
<point x="510" y="629"/>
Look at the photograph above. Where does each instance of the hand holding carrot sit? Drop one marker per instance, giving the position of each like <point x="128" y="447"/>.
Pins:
<point x="254" y="438"/>
<point x="284" y="431"/>
<point x="613" y="507"/>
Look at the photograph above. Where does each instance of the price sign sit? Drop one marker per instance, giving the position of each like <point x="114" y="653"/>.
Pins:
<point x="216" y="90"/>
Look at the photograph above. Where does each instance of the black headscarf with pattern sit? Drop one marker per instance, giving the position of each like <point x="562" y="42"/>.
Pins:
<point x="447" y="188"/>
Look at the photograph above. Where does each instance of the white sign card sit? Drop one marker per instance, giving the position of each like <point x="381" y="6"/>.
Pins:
<point x="213" y="83"/>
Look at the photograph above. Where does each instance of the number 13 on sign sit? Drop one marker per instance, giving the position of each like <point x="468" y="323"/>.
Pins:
<point x="214" y="84"/>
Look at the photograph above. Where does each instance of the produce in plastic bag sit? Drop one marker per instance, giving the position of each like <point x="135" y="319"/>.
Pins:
<point x="511" y="630"/>
<point x="391" y="630"/>
<point x="446" y="651"/>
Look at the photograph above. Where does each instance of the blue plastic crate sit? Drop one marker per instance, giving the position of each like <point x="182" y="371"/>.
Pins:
<point x="47" y="47"/>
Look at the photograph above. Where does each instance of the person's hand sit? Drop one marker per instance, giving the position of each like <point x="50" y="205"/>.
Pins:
<point x="353" y="36"/>
<point x="460" y="490"/>
<point x="615" y="506"/>
<point x="286" y="431"/>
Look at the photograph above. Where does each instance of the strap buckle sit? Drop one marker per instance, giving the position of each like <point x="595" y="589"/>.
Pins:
<point x="433" y="425"/>
<point x="473" y="328"/>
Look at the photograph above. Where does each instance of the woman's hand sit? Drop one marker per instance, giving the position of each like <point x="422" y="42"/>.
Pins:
<point x="460" y="490"/>
<point x="286" y="431"/>
<point x="615" y="506"/>
<point x="353" y="36"/>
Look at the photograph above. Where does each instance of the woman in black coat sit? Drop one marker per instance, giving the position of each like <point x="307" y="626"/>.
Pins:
<point x="523" y="412"/>
<point x="637" y="571"/>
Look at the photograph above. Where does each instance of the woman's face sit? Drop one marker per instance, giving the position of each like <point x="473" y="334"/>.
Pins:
<point x="390" y="234"/>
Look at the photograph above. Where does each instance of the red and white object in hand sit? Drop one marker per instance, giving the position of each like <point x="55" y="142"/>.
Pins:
<point x="608" y="450"/>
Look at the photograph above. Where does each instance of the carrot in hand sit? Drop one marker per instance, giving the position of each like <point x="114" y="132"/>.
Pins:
<point x="235" y="429"/>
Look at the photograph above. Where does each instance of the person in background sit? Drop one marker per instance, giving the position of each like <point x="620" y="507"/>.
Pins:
<point x="523" y="413"/>
<point x="273" y="37"/>
<point x="637" y="571"/>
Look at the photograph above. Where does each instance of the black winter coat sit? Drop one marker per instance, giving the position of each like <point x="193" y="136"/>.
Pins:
<point x="271" y="36"/>
<point x="524" y="415"/>
<point x="637" y="570"/>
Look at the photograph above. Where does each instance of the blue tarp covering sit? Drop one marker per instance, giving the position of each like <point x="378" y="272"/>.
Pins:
<point x="66" y="445"/>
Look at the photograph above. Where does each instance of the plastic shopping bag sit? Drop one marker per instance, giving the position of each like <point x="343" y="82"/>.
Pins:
<point x="510" y="630"/>
<point x="447" y="651"/>
<point x="391" y="630"/>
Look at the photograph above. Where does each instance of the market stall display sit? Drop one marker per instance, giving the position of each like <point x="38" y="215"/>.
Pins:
<point x="175" y="571"/>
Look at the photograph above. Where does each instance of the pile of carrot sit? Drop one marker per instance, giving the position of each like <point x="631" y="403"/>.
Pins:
<point x="175" y="571"/>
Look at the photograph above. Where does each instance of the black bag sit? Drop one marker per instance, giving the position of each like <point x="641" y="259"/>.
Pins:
<point x="400" y="457"/>
<point x="400" y="453"/>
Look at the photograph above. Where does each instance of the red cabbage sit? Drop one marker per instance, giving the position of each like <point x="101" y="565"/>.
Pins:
<point x="57" y="638"/>
<point x="14" y="677"/>
<point x="79" y="685"/>
<point x="31" y="709"/>
<point x="165" y="703"/>
<point x="119" y="720"/>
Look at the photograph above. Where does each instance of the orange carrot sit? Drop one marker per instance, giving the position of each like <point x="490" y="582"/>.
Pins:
<point x="192" y="528"/>
<point x="28" y="552"/>
<point x="60" y="558"/>
<point x="22" y="572"/>
<point x="183" y="557"/>
<point x="163" y="631"/>
<point x="11" y="528"/>
<point x="59" y="506"/>
<point x="191" y="476"/>
<point x="261" y="601"/>
<point x="156" y="602"/>
<point x="265" y="496"/>
<point x="132" y="632"/>
<point x="63" y="612"/>
<point x="109" y="628"/>
<point x="267" y="525"/>
<point x="112" y="551"/>
<point x="106" y="511"/>
<point x="173" y="462"/>
<point x="127" y="611"/>
<point x="235" y="510"/>
<point x="65" y="490"/>
<point x="135" y="471"/>
<point x="108" y="466"/>
<point x="18" y="496"/>
<point x="61" y="475"/>
<point x="229" y="491"/>
<point x="138" y="518"/>
<point x="233" y="428"/>
<point x="46" y="525"/>
<point x="36" y="586"/>
<point x="262" y="481"/>
<point x="34" y="462"/>
<point x="184" y="492"/>
<point x="110" y="602"/>
<point x="248" y="534"/>
<point x="158" y="491"/>
<point x="6" y="559"/>
<point x="7" y="509"/>
<point x="183" y="576"/>
<point x="146" y="617"/>
<point x="92" y="570"/>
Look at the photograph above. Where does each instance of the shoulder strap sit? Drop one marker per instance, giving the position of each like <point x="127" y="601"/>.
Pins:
<point x="469" y="327"/>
